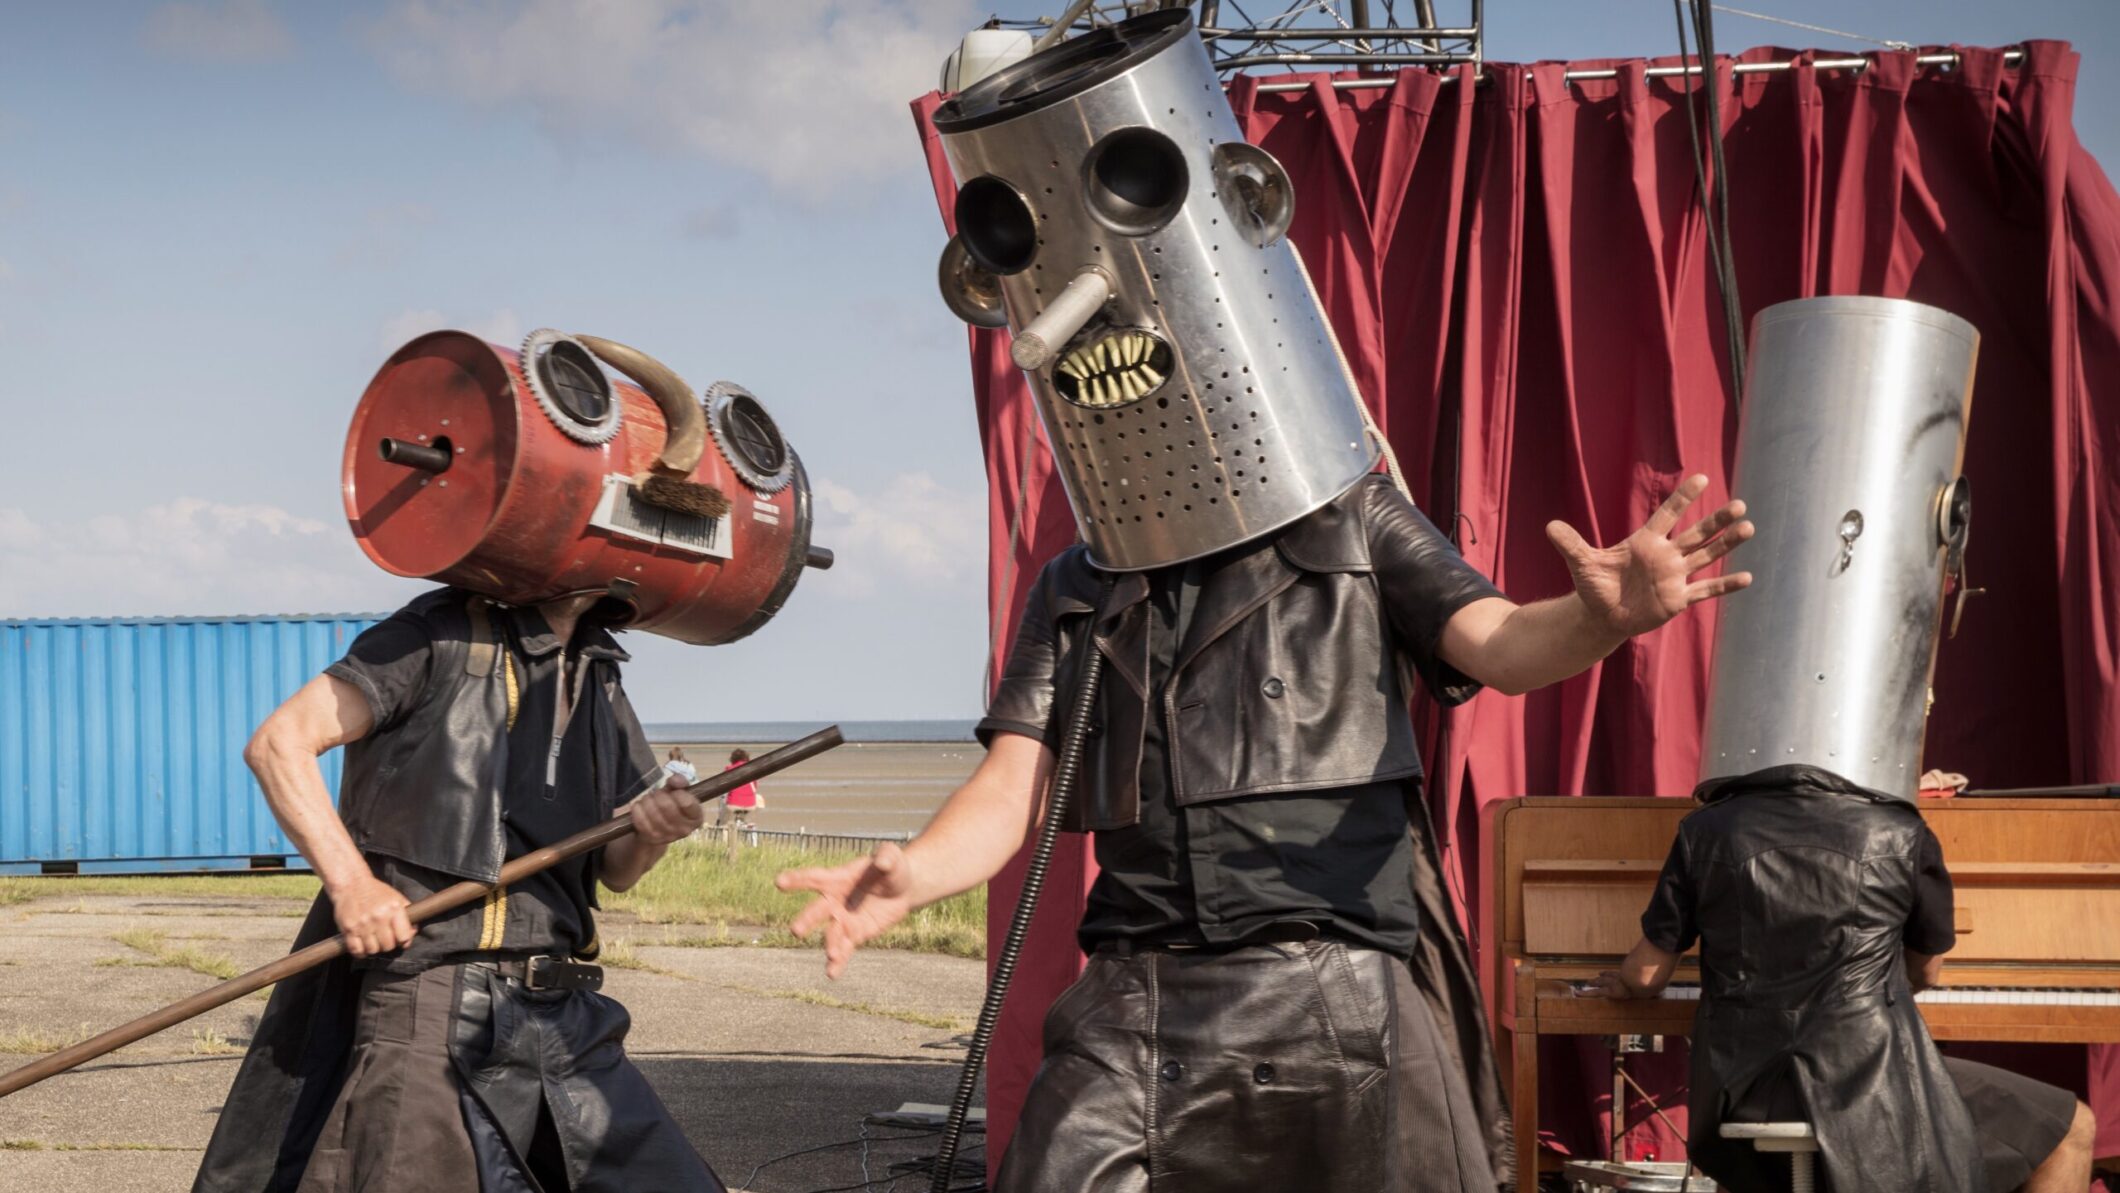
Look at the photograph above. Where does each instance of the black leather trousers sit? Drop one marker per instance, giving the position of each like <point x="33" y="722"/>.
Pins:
<point x="1287" y="1066"/>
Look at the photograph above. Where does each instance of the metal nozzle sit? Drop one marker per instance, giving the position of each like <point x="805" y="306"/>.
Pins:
<point x="1043" y="337"/>
<point x="819" y="558"/>
<point x="416" y="455"/>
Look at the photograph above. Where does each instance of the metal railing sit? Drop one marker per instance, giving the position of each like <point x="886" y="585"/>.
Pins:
<point x="735" y="836"/>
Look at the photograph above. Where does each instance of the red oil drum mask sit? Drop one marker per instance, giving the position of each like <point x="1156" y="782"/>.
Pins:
<point x="529" y="475"/>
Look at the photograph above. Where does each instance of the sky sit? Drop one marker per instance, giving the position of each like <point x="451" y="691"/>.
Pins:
<point x="218" y="217"/>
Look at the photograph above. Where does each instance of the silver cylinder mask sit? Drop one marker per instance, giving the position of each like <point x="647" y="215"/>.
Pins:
<point x="1111" y="215"/>
<point x="1848" y="456"/>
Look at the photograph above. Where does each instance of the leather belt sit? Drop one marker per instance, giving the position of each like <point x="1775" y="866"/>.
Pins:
<point x="1278" y="932"/>
<point x="545" y="972"/>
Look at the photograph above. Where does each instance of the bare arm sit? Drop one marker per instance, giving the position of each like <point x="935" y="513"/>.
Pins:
<point x="327" y="712"/>
<point x="1923" y="970"/>
<point x="1620" y="591"/>
<point x="976" y="831"/>
<point x="1643" y="973"/>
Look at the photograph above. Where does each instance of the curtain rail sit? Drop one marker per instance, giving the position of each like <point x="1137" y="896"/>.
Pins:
<point x="2010" y="57"/>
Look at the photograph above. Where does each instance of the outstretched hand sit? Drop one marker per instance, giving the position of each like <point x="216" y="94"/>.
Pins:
<point x="856" y="902"/>
<point x="1645" y="579"/>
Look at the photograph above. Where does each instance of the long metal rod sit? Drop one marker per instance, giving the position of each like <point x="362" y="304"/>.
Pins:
<point x="2011" y="58"/>
<point x="442" y="901"/>
<point x="1350" y="58"/>
<point x="1328" y="33"/>
<point x="1061" y="24"/>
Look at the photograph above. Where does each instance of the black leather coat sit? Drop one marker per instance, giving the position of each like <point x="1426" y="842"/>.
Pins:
<point x="1289" y="677"/>
<point x="1803" y="887"/>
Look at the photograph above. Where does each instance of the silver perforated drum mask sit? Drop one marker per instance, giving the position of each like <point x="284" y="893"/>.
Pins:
<point x="1848" y="455"/>
<point x="1111" y="215"/>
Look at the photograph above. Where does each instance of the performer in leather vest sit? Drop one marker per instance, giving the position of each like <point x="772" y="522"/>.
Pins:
<point x="1819" y="898"/>
<point x="481" y="724"/>
<point x="1277" y="994"/>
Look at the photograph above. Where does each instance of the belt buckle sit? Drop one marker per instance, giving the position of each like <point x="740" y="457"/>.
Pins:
<point x="533" y="968"/>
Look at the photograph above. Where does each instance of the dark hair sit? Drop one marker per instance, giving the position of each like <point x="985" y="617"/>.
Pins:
<point x="677" y="753"/>
<point x="739" y="754"/>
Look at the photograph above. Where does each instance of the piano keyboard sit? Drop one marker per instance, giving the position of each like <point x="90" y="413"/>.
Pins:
<point x="2011" y="996"/>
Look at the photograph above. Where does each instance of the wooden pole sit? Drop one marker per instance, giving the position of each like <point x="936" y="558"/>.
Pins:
<point x="426" y="909"/>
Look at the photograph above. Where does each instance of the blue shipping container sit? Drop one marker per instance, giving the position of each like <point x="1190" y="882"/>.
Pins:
<point x="121" y="739"/>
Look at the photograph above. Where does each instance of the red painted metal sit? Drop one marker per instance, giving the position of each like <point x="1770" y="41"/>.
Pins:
<point x="510" y="516"/>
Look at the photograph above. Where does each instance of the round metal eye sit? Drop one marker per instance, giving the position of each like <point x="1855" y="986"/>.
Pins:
<point x="749" y="439"/>
<point x="1255" y="191"/>
<point x="570" y="387"/>
<point x="1954" y="514"/>
<point x="1135" y="180"/>
<point x="970" y="290"/>
<point x="996" y="225"/>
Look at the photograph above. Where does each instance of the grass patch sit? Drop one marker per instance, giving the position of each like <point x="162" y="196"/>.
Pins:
<point x="618" y="954"/>
<point x="698" y="883"/>
<point x="165" y="955"/>
<point x="34" y="1042"/>
<point x="248" y="886"/>
<point x="205" y="1041"/>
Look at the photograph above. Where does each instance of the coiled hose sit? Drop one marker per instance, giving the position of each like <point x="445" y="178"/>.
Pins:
<point x="1063" y="786"/>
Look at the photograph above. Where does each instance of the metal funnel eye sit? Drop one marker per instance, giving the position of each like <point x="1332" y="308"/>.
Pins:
<point x="1135" y="180"/>
<point x="969" y="289"/>
<point x="1255" y="191"/>
<point x="996" y="225"/>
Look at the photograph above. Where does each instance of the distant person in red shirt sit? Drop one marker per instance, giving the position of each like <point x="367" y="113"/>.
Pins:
<point x="737" y="807"/>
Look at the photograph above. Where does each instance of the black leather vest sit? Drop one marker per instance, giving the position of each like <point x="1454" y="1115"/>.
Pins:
<point x="428" y="789"/>
<point x="1290" y="676"/>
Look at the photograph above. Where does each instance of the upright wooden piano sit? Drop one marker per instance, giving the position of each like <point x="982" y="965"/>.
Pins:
<point x="2038" y="911"/>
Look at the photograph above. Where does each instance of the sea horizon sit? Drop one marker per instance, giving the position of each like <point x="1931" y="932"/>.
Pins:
<point x="751" y="732"/>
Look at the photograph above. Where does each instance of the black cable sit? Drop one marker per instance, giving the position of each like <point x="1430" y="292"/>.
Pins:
<point x="864" y="1137"/>
<point x="1726" y="259"/>
<point x="1063" y="785"/>
<point x="1700" y="166"/>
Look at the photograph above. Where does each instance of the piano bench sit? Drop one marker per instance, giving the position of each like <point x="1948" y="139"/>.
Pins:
<point x="1797" y="1139"/>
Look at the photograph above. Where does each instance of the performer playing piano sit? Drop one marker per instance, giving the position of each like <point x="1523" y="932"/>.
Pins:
<point x="1820" y="910"/>
<point x="1818" y="895"/>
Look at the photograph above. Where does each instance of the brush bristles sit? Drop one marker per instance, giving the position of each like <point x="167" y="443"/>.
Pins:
<point x="684" y="497"/>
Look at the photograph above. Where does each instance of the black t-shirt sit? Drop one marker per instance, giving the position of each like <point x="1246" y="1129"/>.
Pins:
<point x="1220" y="871"/>
<point x="549" y="792"/>
<point x="1671" y="922"/>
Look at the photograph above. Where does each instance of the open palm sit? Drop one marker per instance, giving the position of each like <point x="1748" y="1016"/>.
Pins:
<point x="856" y="902"/>
<point x="1646" y="579"/>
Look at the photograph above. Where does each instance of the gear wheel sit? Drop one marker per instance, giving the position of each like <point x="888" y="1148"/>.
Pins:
<point x="748" y="438"/>
<point x="572" y="389"/>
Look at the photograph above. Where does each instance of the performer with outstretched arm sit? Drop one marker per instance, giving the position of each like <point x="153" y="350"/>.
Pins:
<point x="1278" y="995"/>
<point x="1254" y="839"/>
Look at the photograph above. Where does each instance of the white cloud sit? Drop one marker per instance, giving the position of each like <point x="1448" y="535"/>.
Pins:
<point x="501" y="327"/>
<point x="914" y="533"/>
<point x="188" y="556"/>
<point x="229" y="31"/>
<point x="811" y="95"/>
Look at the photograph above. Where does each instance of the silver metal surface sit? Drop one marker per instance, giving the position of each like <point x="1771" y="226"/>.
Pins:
<point x="1640" y="1176"/>
<point x="1248" y="419"/>
<point x="1853" y="431"/>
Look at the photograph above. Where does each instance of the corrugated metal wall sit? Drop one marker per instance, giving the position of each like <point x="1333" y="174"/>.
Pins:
<point x="121" y="741"/>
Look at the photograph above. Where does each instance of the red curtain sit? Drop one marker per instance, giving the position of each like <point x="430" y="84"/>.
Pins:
<point x="1518" y="271"/>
